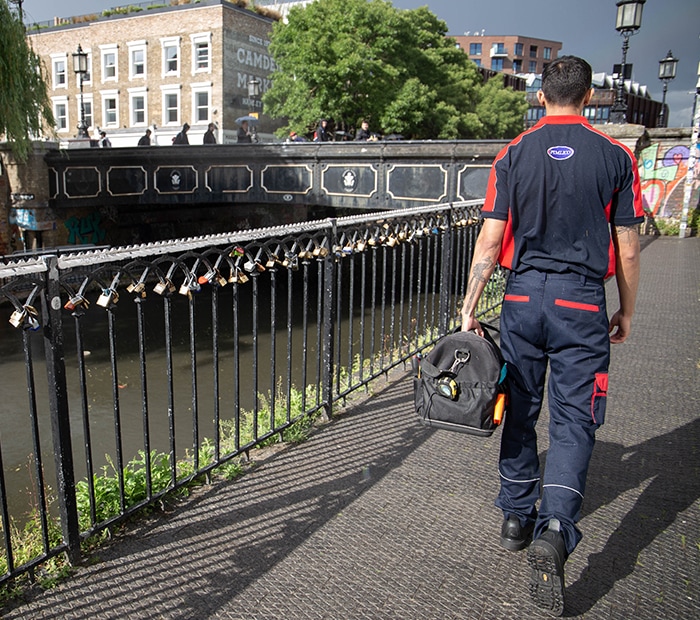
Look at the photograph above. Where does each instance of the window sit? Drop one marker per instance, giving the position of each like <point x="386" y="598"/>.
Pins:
<point x="171" y="56"/>
<point x="498" y="48"/>
<point x="110" y="111"/>
<point x="110" y="68"/>
<point x="518" y="49"/>
<point x="517" y="66"/>
<point x="533" y="51"/>
<point x="58" y="64"/>
<point x="477" y="62"/>
<point x="533" y="66"/>
<point x="171" y="105"/>
<point x="201" y="102"/>
<point x="137" y="106"/>
<point x="60" y="113"/>
<point x="137" y="59"/>
<point x="547" y="53"/>
<point x="497" y="64"/>
<point x="201" y="52"/>
<point x="475" y="49"/>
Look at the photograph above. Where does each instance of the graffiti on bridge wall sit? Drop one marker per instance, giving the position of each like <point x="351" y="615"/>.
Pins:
<point x="662" y="175"/>
<point x="85" y="229"/>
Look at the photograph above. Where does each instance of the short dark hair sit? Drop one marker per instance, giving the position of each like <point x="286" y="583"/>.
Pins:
<point x="566" y="80"/>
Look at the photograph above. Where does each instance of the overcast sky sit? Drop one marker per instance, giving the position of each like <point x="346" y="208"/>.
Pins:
<point x="585" y="27"/>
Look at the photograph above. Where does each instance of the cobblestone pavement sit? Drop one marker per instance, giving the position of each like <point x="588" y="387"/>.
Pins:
<point x="377" y="517"/>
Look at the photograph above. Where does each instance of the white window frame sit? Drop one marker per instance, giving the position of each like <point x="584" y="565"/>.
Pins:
<point x="165" y="44"/>
<point x="110" y="94"/>
<point x="61" y="101"/>
<point x="112" y="48"/>
<point x="133" y="94"/>
<point x="202" y="87"/>
<point x="135" y="47"/>
<point x="197" y="40"/>
<point x="55" y="59"/>
<point x="171" y="90"/>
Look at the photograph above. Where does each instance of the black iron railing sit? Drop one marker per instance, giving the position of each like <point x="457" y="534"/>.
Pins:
<point x="134" y="370"/>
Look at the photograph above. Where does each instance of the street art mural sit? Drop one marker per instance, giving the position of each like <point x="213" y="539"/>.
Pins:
<point x="663" y="171"/>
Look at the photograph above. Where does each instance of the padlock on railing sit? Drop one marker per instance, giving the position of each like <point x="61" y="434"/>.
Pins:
<point x="139" y="288"/>
<point x="26" y="317"/>
<point x="75" y="302"/>
<point x="237" y="277"/>
<point x="189" y="286"/>
<point x="18" y="317"/>
<point x="108" y="298"/>
<point x="207" y="277"/>
<point x="164" y="287"/>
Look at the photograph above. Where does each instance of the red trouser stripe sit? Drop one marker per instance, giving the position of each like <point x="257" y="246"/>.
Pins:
<point x="517" y="298"/>
<point x="576" y="305"/>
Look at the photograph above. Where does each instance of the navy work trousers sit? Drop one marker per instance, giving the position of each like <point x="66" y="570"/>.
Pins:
<point x="560" y="320"/>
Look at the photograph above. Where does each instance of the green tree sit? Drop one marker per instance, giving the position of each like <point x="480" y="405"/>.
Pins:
<point x="24" y="101"/>
<point x="501" y="110"/>
<point x="353" y="59"/>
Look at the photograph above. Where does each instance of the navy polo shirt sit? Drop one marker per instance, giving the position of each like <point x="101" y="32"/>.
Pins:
<point x="559" y="186"/>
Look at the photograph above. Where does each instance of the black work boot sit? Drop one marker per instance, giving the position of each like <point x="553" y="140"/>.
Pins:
<point x="514" y="536"/>
<point x="546" y="557"/>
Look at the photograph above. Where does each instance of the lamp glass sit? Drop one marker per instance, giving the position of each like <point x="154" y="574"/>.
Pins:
<point x="629" y="15"/>
<point x="667" y="67"/>
<point x="80" y="61"/>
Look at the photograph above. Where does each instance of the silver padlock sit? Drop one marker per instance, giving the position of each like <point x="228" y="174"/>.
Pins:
<point x="17" y="318"/>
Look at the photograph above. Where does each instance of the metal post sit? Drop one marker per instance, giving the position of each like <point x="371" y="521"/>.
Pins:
<point x="662" y="115"/>
<point x="58" y="406"/>
<point x="329" y="318"/>
<point x="446" y="274"/>
<point x="619" y="110"/>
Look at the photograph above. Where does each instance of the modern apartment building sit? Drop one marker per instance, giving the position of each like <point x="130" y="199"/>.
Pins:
<point x="158" y="67"/>
<point x="509" y="53"/>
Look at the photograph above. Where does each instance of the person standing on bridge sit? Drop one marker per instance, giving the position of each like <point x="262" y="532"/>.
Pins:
<point x="209" y="136"/>
<point x="562" y="210"/>
<point x="244" y="136"/>
<point x="145" y="139"/>
<point x="104" y="141"/>
<point x="181" y="138"/>
<point x="322" y="134"/>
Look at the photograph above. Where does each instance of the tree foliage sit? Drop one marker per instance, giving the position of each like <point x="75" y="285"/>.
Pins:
<point x="351" y="59"/>
<point x="24" y="101"/>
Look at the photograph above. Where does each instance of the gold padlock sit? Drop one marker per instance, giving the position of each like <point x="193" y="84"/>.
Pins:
<point x="108" y="297"/>
<point x="164" y="287"/>
<point x="136" y="287"/>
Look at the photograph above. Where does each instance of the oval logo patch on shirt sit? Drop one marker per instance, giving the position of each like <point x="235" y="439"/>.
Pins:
<point x="560" y="153"/>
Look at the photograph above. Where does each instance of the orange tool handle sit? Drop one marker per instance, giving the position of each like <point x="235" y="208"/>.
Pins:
<point x="499" y="408"/>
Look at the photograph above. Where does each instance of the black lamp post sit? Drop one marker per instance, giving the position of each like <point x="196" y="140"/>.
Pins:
<point x="629" y="20"/>
<point x="80" y="67"/>
<point x="253" y="92"/>
<point x="667" y="72"/>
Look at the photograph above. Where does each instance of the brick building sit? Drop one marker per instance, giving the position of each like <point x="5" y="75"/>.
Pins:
<point x="158" y="67"/>
<point x="509" y="53"/>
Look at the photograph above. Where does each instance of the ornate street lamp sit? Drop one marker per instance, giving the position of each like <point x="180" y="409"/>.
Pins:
<point x="667" y="72"/>
<point x="629" y="20"/>
<point x="80" y="67"/>
<point x="253" y="91"/>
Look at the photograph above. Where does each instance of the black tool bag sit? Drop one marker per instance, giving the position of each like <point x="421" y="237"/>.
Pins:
<point x="460" y="384"/>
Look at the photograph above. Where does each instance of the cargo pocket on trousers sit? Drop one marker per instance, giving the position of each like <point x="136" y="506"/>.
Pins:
<point x="599" y="398"/>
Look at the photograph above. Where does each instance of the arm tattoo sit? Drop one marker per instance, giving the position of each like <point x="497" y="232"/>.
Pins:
<point x="481" y="272"/>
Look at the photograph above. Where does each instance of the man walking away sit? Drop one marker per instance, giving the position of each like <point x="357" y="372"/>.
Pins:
<point x="561" y="212"/>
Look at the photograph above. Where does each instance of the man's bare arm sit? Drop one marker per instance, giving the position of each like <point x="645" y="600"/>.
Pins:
<point x="627" y="255"/>
<point x="484" y="261"/>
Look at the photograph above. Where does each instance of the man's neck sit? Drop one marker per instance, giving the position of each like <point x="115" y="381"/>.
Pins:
<point x="555" y="110"/>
